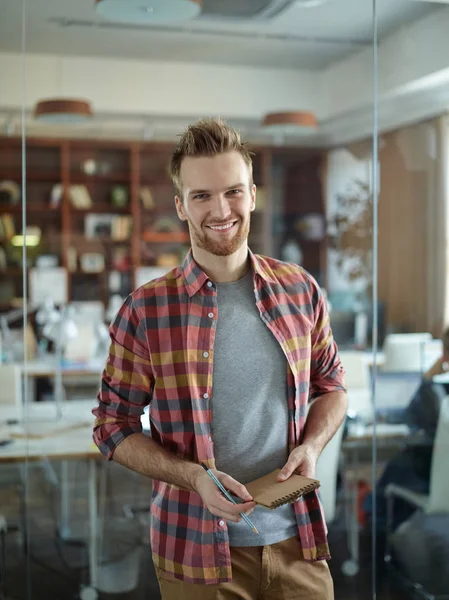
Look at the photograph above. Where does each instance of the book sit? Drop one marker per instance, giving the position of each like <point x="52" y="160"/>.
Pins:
<point x="269" y="492"/>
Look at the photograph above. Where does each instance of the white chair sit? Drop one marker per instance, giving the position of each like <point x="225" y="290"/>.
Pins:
<point x="437" y="501"/>
<point x="404" y="352"/>
<point x="326" y="473"/>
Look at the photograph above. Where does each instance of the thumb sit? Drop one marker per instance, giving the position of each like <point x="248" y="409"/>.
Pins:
<point x="287" y="470"/>
<point x="236" y="488"/>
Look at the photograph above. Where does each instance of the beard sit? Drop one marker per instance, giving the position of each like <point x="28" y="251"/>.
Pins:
<point x="224" y="247"/>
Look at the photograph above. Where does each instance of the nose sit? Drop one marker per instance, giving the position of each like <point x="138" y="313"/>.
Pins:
<point x="220" y="209"/>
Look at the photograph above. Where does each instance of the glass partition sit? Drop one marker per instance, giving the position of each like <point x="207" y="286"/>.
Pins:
<point x="411" y="516"/>
<point x="103" y="100"/>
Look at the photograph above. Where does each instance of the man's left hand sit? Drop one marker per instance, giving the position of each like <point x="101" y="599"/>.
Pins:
<point x="301" y="461"/>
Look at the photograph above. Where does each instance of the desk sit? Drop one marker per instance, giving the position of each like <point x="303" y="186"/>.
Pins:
<point x="361" y="438"/>
<point x="83" y="373"/>
<point x="46" y="367"/>
<point x="72" y="442"/>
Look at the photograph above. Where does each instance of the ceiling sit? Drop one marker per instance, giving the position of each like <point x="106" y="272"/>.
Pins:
<point x="310" y="38"/>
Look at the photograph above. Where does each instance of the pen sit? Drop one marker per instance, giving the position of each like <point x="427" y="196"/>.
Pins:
<point x="228" y="496"/>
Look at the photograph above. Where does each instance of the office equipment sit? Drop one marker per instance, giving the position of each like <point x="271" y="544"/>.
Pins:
<point x="228" y="496"/>
<point x="395" y="390"/>
<point x="269" y="492"/>
<point x="404" y="352"/>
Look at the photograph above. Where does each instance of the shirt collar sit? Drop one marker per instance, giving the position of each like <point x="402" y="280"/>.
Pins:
<point x="195" y="277"/>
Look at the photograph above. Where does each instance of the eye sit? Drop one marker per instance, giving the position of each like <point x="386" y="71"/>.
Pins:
<point x="234" y="192"/>
<point x="200" y="196"/>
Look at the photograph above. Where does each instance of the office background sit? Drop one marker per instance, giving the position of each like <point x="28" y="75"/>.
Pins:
<point x="93" y="196"/>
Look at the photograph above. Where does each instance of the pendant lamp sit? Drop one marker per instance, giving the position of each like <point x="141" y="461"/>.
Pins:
<point x="293" y="122"/>
<point x="148" y="11"/>
<point x="63" y="110"/>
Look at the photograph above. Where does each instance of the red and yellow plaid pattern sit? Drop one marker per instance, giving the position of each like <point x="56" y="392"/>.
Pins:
<point x="162" y="353"/>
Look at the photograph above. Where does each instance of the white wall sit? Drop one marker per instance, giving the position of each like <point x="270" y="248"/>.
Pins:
<point x="159" y="88"/>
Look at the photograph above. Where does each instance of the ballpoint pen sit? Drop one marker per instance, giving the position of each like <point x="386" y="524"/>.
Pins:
<point x="228" y="496"/>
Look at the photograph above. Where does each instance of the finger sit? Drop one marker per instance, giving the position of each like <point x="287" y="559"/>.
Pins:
<point x="236" y="488"/>
<point x="234" y="509"/>
<point x="223" y="514"/>
<point x="230" y="511"/>
<point x="289" y="468"/>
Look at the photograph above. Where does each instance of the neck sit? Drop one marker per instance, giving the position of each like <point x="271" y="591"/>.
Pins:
<point x="223" y="269"/>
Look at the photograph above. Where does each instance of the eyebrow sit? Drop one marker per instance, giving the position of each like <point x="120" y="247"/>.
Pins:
<point x="231" y="187"/>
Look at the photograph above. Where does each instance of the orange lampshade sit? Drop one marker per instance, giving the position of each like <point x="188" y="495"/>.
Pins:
<point x="291" y="122"/>
<point x="62" y="110"/>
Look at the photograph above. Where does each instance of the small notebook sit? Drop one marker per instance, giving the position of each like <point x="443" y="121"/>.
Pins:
<point x="269" y="492"/>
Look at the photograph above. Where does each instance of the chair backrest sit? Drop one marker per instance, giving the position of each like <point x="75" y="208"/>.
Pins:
<point x="326" y="472"/>
<point x="405" y="352"/>
<point x="357" y="372"/>
<point x="439" y="476"/>
<point x="11" y="386"/>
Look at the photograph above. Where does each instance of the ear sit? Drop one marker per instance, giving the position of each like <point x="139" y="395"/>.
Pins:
<point x="253" y="198"/>
<point x="180" y="209"/>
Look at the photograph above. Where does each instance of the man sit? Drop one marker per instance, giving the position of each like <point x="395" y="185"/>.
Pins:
<point x="227" y="350"/>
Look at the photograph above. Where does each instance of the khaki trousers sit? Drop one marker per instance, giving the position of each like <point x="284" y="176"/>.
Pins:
<point x="276" y="572"/>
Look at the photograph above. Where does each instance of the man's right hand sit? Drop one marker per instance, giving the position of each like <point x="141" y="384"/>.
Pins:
<point x="216" y="502"/>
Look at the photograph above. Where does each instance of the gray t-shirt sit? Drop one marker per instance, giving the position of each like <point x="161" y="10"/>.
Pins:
<point x="249" y="407"/>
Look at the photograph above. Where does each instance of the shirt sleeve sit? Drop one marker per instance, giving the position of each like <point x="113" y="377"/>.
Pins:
<point x="326" y="370"/>
<point x="126" y="383"/>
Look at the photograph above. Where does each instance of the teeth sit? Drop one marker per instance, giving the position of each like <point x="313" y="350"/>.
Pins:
<point x="221" y="227"/>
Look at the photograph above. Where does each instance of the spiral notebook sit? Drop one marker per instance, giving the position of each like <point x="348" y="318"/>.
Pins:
<point x="269" y="492"/>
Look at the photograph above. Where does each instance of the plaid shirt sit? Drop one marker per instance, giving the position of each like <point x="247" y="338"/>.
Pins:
<point x="162" y="353"/>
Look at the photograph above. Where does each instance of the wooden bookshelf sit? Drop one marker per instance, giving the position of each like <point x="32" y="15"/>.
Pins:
<point x="123" y="180"/>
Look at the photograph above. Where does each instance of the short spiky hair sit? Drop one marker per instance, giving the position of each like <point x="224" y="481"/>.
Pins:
<point x="207" y="137"/>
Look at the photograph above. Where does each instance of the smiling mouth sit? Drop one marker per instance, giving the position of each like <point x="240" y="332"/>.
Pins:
<point x="221" y="228"/>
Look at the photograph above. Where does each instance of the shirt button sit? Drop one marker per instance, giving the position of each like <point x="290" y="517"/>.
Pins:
<point x="206" y="354"/>
<point x="211" y="315"/>
<point x="206" y="396"/>
<point x="221" y="523"/>
<point x="209" y="284"/>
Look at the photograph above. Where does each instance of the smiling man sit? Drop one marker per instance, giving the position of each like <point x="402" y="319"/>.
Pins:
<point x="227" y="350"/>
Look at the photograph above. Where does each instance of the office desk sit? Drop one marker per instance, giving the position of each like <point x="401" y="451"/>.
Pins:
<point x="69" y="438"/>
<point x="46" y="367"/>
<point x="88" y="373"/>
<point x="360" y="438"/>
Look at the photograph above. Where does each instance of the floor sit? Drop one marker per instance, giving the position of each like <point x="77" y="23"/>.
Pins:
<point x="55" y="569"/>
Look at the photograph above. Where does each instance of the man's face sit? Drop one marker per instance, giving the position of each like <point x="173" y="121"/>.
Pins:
<point x="218" y="198"/>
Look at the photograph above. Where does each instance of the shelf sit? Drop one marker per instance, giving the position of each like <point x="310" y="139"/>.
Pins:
<point x="107" y="240"/>
<point x="101" y="208"/>
<point x="155" y="182"/>
<point x="12" y="271"/>
<point x="166" y="238"/>
<point x="89" y="273"/>
<point x="41" y="207"/>
<point x="16" y="176"/>
<point x="109" y="178"/>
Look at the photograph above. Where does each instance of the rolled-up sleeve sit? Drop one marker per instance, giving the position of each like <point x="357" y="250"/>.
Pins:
<point x="126" y="383"/>
<point x="326" y="370"/>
